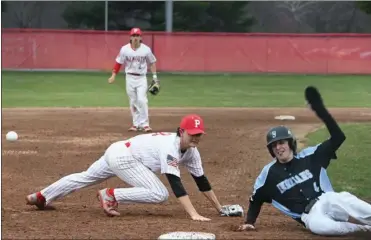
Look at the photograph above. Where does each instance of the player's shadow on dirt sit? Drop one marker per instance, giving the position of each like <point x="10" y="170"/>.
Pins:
<point x="143" y="213"/>
<point x="361" y="236"/>
<point x="146" y="213"/>
<point x="47" y="208"/>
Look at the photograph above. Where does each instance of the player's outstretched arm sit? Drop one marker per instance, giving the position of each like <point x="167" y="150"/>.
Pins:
<point x="337" y="136"/>
<point x="210" y="195"/>
<point x="181" y="194"/>
<point x="205" y="187"/>
<point x="252" y="214"/>
<point x="261" y="194"/>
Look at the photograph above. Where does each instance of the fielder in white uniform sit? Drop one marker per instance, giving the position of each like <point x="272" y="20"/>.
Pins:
<point x="136" y="56"/>
<point x="135" y="161"/>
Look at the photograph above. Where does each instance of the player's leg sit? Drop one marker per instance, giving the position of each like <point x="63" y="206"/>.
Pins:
<point x="146" y="186"/>
<point x="96" y="173"/>
<point x="143" y="104"/>
<point x="347" y="203"/>
<point x="320" y="222"/>
<point x="324" y="225"/>
<point x="131" y="91"/>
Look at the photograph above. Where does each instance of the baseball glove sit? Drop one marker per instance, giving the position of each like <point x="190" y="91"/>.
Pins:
<point x="234" y="210"/>
<point x="154" y="87"/>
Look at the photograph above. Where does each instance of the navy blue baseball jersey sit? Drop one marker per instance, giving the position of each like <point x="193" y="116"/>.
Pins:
<point x="291" y="186"/>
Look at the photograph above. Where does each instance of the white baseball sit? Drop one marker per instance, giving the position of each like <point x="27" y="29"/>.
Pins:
<point x="11" y="136"/>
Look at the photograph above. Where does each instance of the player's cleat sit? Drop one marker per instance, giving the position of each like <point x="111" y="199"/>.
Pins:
<point x="36" y="199"/>
<point x="147" y="129"/>
<point x="133" y="129"/>
<point x="108" y="203"/>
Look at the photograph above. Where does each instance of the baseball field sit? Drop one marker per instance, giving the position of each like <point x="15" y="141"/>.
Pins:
<point x="66" y="120"/>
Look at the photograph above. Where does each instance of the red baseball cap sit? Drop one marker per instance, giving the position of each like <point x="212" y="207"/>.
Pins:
<point x="135" y="31"/>
<point x="193" y="124"/>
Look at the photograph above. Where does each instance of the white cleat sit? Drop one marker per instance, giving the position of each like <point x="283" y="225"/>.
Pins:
<point x="147" y="129"/>
<point x="108" y="203"/>
<point x="133" y="129"/>
<point x="36" y="199"/>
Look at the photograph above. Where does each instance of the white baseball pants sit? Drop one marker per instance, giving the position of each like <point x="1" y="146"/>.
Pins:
<point x="117" y="161"/>
<point x="147" y="187"/>
<point x="136" y="89"/>
<point x="330" y="215"/>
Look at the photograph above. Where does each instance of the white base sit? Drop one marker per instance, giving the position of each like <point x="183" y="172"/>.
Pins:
<point x="187" y="235"/>
<point x="284" y="117"/>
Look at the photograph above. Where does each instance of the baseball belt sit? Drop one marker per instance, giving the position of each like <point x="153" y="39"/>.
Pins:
<point x="310" y="205"/>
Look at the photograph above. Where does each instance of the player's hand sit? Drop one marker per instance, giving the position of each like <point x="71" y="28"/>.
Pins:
<point x="315" y="102"/>
<point x="111" y="79"/>
<point x="246" y="227"/>
<point x="200" y="218"/>
<point x="313" y="98"/>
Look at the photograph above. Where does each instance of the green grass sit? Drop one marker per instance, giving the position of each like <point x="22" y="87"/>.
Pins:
<point x="351" y="171"/>
<point x="56" y="89"/>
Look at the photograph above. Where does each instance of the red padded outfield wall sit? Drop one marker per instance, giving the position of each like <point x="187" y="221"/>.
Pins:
<point x="191" y="52"/>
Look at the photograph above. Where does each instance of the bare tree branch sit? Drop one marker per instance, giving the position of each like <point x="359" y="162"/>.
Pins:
<point x="26" y="13"/>
<point x="297" y="10"/>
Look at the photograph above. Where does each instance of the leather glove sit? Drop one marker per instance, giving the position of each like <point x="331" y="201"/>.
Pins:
<point x="154" y="87"/>
<point x="234" y="210"/>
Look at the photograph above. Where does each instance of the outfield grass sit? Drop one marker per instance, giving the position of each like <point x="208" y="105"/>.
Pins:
<point x="351" y="171"/>
<point x="56" y="89"/>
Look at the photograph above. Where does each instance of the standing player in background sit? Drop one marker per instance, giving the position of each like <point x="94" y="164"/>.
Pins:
<point x="135" y="161"/>
<point x="136" y="56"/>
<point x="292" y="182"/>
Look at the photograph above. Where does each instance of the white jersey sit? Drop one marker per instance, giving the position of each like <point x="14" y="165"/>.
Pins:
<point x="161" y="153"/>
<point x="136" y="61"/>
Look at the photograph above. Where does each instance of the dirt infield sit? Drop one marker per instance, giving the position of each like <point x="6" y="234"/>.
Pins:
<point x="56" y="142"/>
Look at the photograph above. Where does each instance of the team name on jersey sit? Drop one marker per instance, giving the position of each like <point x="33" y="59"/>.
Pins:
<point x="140" y="59"/>
<point x="291" y="182"/>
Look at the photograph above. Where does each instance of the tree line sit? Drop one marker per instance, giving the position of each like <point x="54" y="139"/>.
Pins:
<point x="187" y="15"/>
<point x="238" y="16"/>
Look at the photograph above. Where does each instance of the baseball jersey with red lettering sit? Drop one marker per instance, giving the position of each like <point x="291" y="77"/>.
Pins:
<point x="136" y="61"/>
<point x="161" y="153"/>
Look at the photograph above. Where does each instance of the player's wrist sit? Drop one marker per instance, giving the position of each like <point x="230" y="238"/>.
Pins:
<point x="154" y="77"/>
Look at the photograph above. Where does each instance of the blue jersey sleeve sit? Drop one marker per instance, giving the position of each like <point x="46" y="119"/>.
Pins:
<point x="259" y="196"/>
